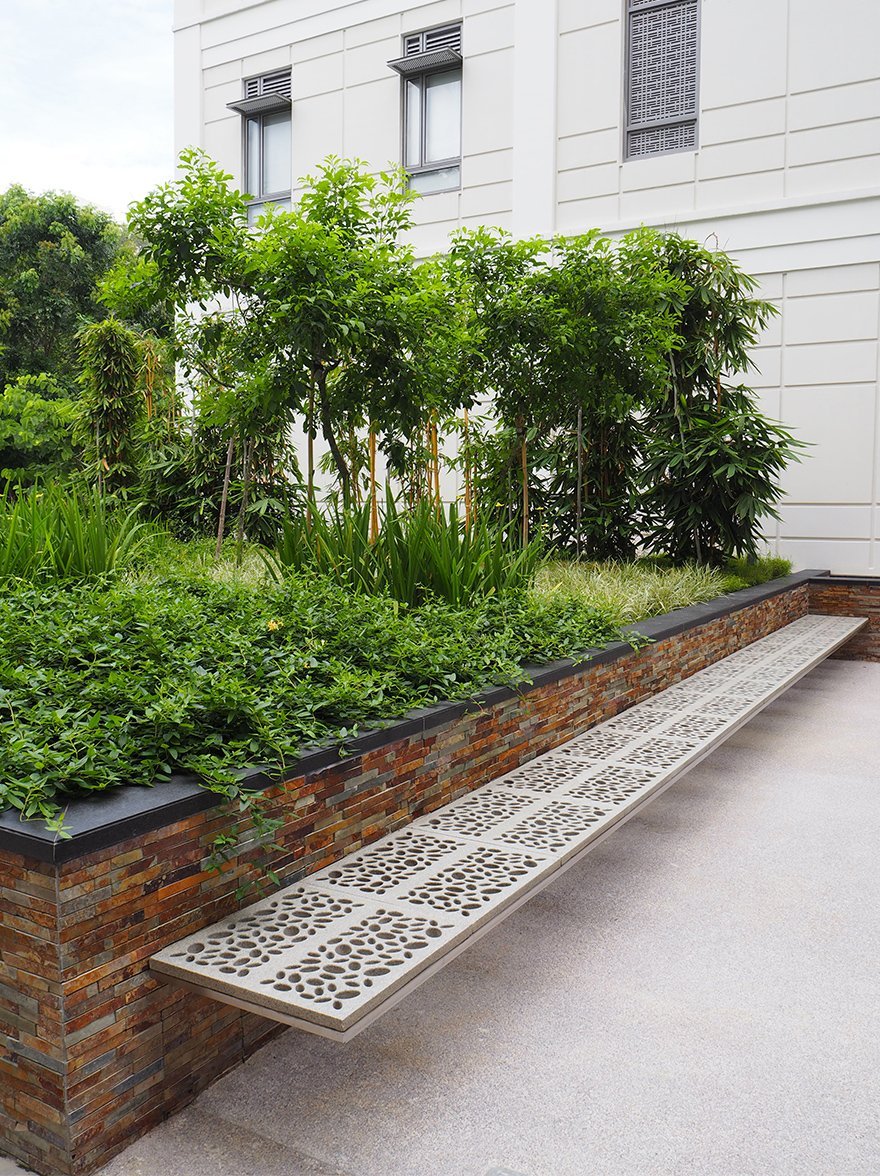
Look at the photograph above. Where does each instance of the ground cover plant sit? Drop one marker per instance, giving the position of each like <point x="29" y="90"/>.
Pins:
<point x="123" y="683"/>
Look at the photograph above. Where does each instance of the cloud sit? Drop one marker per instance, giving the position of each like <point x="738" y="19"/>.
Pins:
<point x="87" y="96"/>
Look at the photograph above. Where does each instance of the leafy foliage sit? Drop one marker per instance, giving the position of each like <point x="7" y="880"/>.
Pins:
<point x="112" y="400"/>
<point x="712" y="459"/>
<point x="713" y="483"/>
<point x="571" y="336"/>
<point x="37" y="421"/>
<point x="128" y="683"/>
<point x="52" y="252"/>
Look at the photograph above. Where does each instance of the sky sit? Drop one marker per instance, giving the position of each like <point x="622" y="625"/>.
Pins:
<point x="86" y="98"/>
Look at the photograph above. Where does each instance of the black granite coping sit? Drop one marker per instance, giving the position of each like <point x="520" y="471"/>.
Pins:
<point x="103" y="819"/>
<point x="856" y="580"/>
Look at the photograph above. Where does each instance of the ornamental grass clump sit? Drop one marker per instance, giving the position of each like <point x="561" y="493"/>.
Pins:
<point x="60" y="534"/>
<point x="630" y="591"/>
<point x="414" y="556"/>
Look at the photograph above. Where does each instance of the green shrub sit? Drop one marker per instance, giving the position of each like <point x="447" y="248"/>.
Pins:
<point x="124" y="683"/>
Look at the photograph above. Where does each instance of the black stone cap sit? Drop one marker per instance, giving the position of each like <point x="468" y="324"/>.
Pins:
<point x="103" y="819"/>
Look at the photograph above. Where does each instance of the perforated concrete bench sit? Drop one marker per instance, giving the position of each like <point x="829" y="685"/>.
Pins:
<point x="333" y="953"/>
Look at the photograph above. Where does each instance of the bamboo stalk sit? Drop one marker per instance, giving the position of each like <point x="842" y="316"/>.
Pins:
<point x="310" y="440"/>
<point x="580" y="479"/>
<point x="242" y="513"/>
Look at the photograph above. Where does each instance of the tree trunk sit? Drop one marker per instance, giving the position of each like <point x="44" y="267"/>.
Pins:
<point x="330" y="437"/>
<point x="355" y="478"/>
<point x="435" y="461"/>
<point x="466" y="453"/>
<point x="245" y="487"/>
<point x="224" y="497"/>
<point x="524" y="468"/>
<point x="310" y="433"/>
<point x="374" y="504"/>
<point x="580" y="482"/>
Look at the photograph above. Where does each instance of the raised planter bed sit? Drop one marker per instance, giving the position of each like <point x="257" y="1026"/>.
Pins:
<point x="95" y="1050"/>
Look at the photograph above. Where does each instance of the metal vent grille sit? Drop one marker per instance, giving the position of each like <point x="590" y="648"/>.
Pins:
<point x="662" y="76"/>
<point x="661" y="140"/>
<point x="273" y="83"/>
<point x="446" y="38"/>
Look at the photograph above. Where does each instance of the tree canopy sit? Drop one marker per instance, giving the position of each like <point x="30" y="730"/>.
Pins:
<point x="53" y="251"/>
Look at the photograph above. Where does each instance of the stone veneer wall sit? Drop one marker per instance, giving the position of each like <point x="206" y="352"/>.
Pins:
<point x="851" y="596"/>
<point x="94" y="1050"/>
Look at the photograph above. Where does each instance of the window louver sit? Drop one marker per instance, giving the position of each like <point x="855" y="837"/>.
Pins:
<point x="277" y="83"/>
<point x="662" y="76"/>
<point x="434" y="49"/>
<point x="448" y="38"/>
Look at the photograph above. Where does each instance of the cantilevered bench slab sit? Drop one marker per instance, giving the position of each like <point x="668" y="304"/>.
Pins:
<point x="331" y="954"/>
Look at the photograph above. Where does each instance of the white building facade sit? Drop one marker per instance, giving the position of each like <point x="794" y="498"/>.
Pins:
<point x="756" y="122"/>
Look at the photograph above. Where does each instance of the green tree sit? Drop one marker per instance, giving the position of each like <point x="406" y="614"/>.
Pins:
<point x="193" y="256"/>
<point x="112" y="401"/>
<point x="712" y="459"/>
<point x="620" y="305"/>
<point x="53" y="250"/>
<point x="346" y="311"/>
<point x="37" y="421"/>
<point x="518" y="331"/>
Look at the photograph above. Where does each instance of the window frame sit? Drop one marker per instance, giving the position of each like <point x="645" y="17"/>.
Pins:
<point x="629" y="127"/>
<point x="283" y="105"/>
<point x="261" y="197"/>
<point x="420" y="77"/>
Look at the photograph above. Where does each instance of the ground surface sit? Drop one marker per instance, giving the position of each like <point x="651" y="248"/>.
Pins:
<point x="698" y="996"/>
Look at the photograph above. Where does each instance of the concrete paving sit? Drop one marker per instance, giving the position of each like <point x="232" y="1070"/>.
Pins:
<point x="698" y="996"/>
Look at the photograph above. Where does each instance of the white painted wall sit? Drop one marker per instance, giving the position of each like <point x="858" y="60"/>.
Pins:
<point x="787" y="175"/>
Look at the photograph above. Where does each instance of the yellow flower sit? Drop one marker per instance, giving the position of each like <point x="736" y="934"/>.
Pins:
<point x="275" y="625"/>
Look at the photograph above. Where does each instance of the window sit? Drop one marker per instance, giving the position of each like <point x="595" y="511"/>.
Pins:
<point x="662" y="78"/>
<point x="265" y="108"/>
<point x="431" y="73"/>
